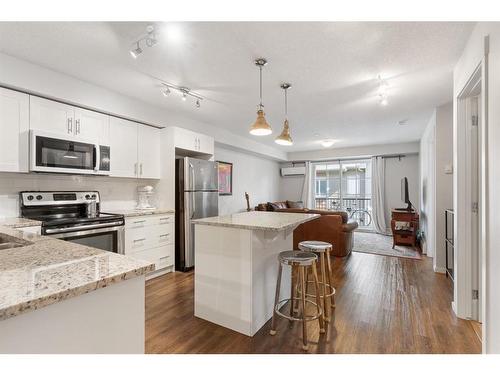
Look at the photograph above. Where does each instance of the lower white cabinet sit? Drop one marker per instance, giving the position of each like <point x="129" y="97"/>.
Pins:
<point x="151" y="238"/>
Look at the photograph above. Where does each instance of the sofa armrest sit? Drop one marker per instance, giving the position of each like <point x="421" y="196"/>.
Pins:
<point x="350" y="226"/>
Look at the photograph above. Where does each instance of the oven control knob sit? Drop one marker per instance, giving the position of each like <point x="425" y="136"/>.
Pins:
<point x="94" y="196"/>
<point x="87" y="196"/>
<point x="39" y="197"/>
<point x="30" y="197"/>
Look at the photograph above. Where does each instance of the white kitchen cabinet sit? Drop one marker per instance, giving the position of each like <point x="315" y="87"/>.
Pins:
<point x="151" y="238"/>
<point x="148" y="148"/>
<point x="14" y="126"/>
<point x="135" y="149"/>
<point x="192" y="141"/>
<point x="67" y="120"/>
<point x="123" y="143"/>
<point x="91" y="125"/>
<point x="52" y="116"/>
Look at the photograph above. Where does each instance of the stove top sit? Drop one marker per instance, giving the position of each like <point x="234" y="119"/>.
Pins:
<point x="56" y="220"/>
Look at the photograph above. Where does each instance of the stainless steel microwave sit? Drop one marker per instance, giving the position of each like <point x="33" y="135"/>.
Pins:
<point x="59" y="154"/>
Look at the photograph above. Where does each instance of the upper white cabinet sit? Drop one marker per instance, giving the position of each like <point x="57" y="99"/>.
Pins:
<point x="90" y="124"/>
<point x="191" y="141"/>
<point x="67" y="120"/>
<point x="51" y="116"/>
<point x="148" y="149"/>
<point x="14" y="126"/>
<point x="135" y="149"/>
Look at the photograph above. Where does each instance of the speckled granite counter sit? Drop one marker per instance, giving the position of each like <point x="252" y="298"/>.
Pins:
<point x="18" y="222"/>
<point x="50" y="270"/>
<point x="133" y="213"/>
<point x="258" y="220"/>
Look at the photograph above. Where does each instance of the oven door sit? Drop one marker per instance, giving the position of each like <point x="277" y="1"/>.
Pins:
<point x="108" y="238"/>
<point x="53" y="153"/>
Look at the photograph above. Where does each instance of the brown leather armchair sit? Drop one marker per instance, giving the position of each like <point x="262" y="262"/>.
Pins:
<point x="333" y="227"/>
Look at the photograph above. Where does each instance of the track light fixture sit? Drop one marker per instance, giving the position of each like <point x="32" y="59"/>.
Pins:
<point x="149" y="39"/>
<point x="185" y="92"/>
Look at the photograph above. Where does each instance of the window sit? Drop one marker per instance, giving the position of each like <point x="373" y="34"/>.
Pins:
<point x="345" y="185"/>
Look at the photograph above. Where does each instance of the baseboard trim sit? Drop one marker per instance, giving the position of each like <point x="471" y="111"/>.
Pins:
<point x="438" y="269"/>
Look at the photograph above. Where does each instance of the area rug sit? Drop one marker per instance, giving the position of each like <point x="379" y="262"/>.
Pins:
<point x="374" y="243"/>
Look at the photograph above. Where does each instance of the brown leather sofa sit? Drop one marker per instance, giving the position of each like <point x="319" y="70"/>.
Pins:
<point x="332" y="226"/>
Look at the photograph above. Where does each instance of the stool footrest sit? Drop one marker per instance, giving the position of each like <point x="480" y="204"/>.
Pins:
<point x="281" y="303"/>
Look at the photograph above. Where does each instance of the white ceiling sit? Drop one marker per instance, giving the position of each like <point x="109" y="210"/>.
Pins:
<point x="333" y="68"/>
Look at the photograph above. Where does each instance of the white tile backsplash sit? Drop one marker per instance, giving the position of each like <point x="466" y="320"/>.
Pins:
<point x="116" y="193"/>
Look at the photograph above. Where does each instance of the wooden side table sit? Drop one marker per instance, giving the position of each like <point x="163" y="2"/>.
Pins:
<point x="408" y="235"/>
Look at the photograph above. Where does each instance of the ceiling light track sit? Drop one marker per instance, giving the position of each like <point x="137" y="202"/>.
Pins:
<point x="149" y="40"/>
<point x="185" y="92"/>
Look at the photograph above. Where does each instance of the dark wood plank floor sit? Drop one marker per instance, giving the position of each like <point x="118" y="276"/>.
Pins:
<point x="384" y="305"/>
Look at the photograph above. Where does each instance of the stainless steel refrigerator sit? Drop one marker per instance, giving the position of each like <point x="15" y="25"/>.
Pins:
<point x="197" y="197"/>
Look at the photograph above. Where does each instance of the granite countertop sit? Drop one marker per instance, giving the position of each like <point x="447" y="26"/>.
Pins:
<point x="18" y="222"/>
<point x="47" y="270"/>
<point x="258" y="220"/>
<point x="133" y="213"/>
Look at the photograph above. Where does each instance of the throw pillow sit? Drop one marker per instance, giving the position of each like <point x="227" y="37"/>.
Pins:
<point x="276" y="205"/>
<point x="292" y="204"/>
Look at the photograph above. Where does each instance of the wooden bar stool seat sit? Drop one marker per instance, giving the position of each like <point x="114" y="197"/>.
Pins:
<point x="327" y="292"/>
<point x="300" y="262"/>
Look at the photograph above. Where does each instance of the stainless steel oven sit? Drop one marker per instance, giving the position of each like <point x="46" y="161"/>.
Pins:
<point x="59" y="154"/>
<point x="65" y="215"/>
<point x="109" y="238"/>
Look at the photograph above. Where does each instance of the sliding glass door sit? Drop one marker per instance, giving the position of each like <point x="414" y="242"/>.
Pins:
<point x="345" y="185"/>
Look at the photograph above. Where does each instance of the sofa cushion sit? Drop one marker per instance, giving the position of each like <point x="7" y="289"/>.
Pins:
<point x="292" y="204"/>
<point x="273" y="206"/>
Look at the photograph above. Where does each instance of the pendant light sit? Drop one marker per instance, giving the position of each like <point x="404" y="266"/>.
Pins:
<point x="260" y="126"/>
<point x="284" y="138"/>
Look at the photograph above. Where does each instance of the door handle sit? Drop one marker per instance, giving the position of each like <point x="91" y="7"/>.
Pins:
<point x="70" y="125"/>
<point x="192" y="176"/>
<point x="135" y="169"/>
<point x="141" y="169"/>
<point x="193" y="203"/>
<point x="77" y="126"/>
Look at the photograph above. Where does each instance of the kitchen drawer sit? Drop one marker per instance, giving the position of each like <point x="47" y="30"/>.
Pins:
<point x="149" y="220"/>
<point x="162" y="256"/>
<point x="139" y="238"/>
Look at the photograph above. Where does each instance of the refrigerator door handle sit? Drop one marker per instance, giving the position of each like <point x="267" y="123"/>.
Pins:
<point x="191" y="168"/>
<point x="193" y="205"/>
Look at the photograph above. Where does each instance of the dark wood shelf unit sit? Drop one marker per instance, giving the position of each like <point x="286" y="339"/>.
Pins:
<point x="406" y="237"/>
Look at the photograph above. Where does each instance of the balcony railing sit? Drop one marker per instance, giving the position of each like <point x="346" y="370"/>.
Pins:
<point x="358" y="209"/>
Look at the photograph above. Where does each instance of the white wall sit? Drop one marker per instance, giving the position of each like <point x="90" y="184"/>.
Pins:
<point x="116" y="193"/>
<point x="427" y="194"/>
<point x="468" y="62"/>
<point x="255" y="175"/>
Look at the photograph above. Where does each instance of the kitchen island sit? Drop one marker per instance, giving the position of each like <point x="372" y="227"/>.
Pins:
<point x="236" y="266"/>
<point x="62" y="297"/>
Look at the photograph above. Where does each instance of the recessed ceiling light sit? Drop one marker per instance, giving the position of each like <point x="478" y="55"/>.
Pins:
<point x="174" y="33"/>
<point x="327" y="142"/>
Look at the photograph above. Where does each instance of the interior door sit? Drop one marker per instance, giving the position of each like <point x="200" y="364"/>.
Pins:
<point x="51" y="116"/>
<point x="123" y="147"/>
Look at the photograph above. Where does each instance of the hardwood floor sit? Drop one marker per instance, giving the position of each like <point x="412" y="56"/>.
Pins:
<point x="384" y="305"/>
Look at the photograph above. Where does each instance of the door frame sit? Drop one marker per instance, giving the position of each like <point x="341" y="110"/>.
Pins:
<point x="463" y="281"/>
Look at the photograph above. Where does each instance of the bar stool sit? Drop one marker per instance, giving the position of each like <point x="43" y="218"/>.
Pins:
<point x="323" y="249"/>
<point x="299" y="261"/>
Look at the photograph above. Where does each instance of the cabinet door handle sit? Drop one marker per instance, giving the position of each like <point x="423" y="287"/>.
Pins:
<point x="135" y="169"/>
<point x="70" y="125"/>
<point x="139" y="221"/>
<point x="164" y="235"/>
<point x="140" y="240"/>
<point x="141" y="169"/>
<point x="77" y="126"/>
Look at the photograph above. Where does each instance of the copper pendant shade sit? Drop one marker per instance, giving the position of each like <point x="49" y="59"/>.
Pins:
<point x="284" y="138"/>
<point x="260" y="126"/>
